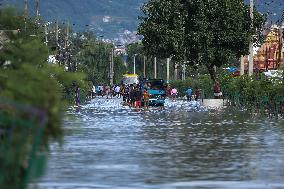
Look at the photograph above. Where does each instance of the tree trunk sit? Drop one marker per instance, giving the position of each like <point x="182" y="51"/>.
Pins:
<point x="212" y="73"/>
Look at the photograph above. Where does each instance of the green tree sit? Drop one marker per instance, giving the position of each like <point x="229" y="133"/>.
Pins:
<point x="162" y="28"/>
<point x="199" y="32"/>
<point x="119" y="69"/>
<point x="94" y="60"/>
<point x="32" y="101"/>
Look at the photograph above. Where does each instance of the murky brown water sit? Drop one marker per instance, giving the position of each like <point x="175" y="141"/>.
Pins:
<point x="182" y="146"/>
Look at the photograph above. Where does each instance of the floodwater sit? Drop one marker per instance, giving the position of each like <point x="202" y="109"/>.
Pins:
<point x="182" y="146"/>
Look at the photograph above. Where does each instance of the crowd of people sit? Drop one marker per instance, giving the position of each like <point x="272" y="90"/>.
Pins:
<point x="132" y="95"/>
<point x="138" y="96"/>
<point x="193" y="94"/>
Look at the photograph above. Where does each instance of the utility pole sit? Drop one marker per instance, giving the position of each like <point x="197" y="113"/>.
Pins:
<point x="46" y="33"/>
<point x="37" y="9"/>
<point x="168" y="70"/>
<point x="67" y="36"/>
<point x="57" y="34"/>
<point x="67" y="50"/>
<point x="155" y="68"/>
<point x="144" y="67"/>
<point x="112" y="66"/>
<point x="183" y="72"/>
<point x="251" y="40"/>
<point x="26" y="14"/>
<point x="26" y="8"/>
<point x="176" y="71"/>
<point x="242" y="69"/>
<point x="134" y="64"/>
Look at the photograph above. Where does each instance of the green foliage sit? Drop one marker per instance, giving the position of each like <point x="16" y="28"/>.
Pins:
<point x="94" y="58"/>
<point x="10" y="19"/>
<point x="199" y="32"/>
<point x="16" y="26"/>
<point x="32" y="99"/>
<point x="162" y="28"/>
<point x="182" y="86"/>
<point x="250" y="91"/>
<point x="19" y="146"/>
<point x="24" y="51"/>
<point x="119" y="68"/>
<point x="34" y="87"/>
<point x="203" y="82"/>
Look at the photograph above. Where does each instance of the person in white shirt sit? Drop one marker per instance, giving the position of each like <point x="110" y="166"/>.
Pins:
<point x="117" y="91"/>
<point x="93" y="92"/>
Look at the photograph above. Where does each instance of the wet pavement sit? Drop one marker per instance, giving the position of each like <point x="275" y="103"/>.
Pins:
<point x="183" y="145"/>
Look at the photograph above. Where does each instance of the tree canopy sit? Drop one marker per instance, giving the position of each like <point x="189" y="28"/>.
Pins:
<point x="199" y="31"/>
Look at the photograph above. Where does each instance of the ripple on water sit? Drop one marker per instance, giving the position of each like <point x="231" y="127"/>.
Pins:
<point x="182" y="145"/>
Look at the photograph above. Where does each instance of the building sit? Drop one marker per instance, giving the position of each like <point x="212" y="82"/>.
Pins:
<point x="270" y="55"/>
<point x="119" y="50"/>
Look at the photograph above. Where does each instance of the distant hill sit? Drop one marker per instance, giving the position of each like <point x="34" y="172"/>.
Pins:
<point x="111" y="17"/>
<point x="105" y="17"/>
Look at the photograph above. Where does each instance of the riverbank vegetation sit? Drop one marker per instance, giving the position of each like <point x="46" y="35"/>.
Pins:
<point x="257" y="93"/>
<point x="32" y="99"/>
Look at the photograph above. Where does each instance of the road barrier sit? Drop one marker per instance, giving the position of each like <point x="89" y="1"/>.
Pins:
<point x="21" y="133"/>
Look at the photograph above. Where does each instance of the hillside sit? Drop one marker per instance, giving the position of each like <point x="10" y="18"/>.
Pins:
<point x="105" y="17"/>
<point x="112" y="17"/>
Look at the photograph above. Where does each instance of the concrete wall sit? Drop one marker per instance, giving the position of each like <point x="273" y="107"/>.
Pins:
<point x="213" y="103"/>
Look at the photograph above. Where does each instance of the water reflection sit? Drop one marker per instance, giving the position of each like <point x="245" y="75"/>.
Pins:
<point x="182" y="146"/>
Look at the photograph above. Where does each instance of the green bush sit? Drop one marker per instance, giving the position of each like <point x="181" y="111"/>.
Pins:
<point x="32" y="102"/>
<point x="251" y="91"/>
<point x="203" y="82"/>
<point x="248" y="91"/>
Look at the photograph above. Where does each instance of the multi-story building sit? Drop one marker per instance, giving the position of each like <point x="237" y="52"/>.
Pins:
<point x="270" y="55"/>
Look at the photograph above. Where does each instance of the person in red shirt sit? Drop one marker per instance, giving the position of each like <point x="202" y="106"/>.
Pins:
<point x="217" y="90"/>
<point x="197" y="94"/>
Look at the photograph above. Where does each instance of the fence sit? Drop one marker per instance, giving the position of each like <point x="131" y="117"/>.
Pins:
<point x="264" y="104"/>
<point x="21" y="154"/>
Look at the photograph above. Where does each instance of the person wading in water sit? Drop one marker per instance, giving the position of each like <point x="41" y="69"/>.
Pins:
<point x="77" y="96"/>
<point x="146" y="97"/>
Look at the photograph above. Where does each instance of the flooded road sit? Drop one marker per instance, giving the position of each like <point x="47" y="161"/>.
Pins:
<point x="182" y="146"/>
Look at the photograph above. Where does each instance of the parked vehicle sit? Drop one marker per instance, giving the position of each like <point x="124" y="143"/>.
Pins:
<point x="99" y="90"/>
<point x="157" y="90"/>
